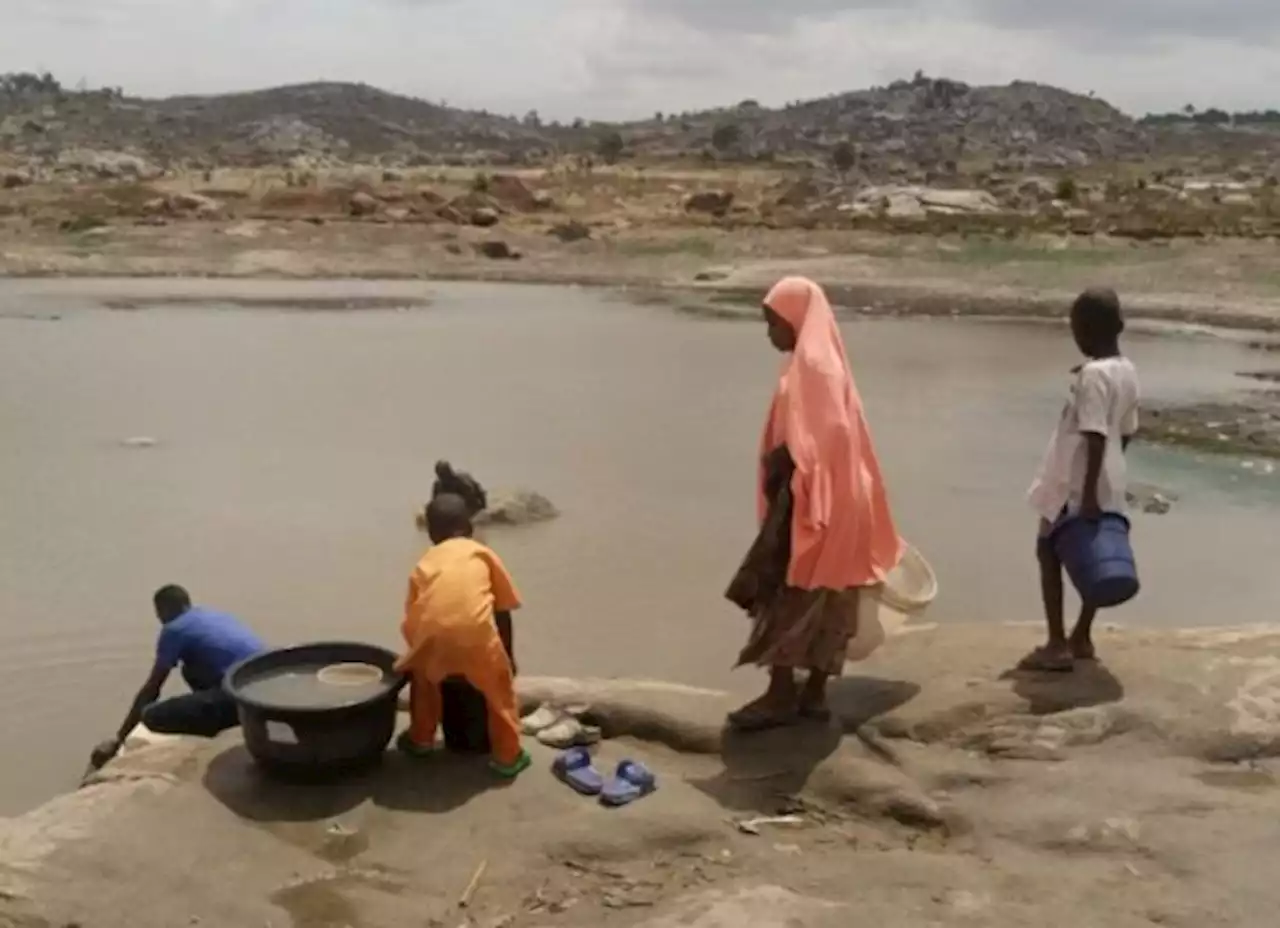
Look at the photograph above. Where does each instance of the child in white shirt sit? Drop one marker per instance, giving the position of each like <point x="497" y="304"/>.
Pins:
<point x="1083" y="473"/>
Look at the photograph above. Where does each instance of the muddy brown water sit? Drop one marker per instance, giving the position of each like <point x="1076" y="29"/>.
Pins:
<point x="291" y="450"/>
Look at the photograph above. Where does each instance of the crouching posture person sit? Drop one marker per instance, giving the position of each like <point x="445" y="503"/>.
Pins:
<point x="457" y="623"/>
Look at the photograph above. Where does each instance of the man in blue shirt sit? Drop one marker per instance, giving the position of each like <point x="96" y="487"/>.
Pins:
<point x="206" y="643"/>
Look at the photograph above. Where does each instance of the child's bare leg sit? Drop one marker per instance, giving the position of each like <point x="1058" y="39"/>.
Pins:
<point x="1056" y="652"/>
<point x="425" y="708"/>
<point x="1082" y="635"/>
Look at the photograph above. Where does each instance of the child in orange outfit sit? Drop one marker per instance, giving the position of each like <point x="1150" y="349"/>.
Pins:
<point x="457" y="622"/>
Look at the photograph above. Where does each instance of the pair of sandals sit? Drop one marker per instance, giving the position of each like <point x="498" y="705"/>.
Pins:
<point x="560" y="728"/>
<point x="631" y="780"/>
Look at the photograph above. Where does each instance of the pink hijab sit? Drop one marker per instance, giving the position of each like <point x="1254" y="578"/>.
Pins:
<point x="842" y="533"/>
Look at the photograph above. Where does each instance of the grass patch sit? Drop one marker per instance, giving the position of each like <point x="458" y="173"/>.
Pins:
<point x="996" y="253"/>
<point x="688" y="245"/>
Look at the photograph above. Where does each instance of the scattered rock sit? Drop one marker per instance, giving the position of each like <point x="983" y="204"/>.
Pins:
<point x="484" y="217"/>
<point x="512" y="192"/>
<point x="244" y="230"/>
<point x="194" y="203"/>
<point x="138" y="441"/>
<point x="1150" y="499"/>
<point x="11" y="180"/>
<point x="450" y="213"/>
<point x="517" y="507"/>
<point x="108" y="165"/>
<point x="715" y="202"/>
<point x="711" y="274"/>
<point x="82" y="224"/>
<point x="908" y="202"/>
<point x="542" y="200"/>
<point x="571" y="231"/>
<point x="498" y="250"/>
<point x="362" y="204"/>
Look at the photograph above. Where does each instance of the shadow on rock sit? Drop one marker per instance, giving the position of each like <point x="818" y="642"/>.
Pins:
<point x="434" y="785"/>
<point x="855" y="701"/>
<point x="763" y="767"/>
<point x="1089" y="684"/>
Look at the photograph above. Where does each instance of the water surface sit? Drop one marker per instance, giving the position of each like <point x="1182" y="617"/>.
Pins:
<point x="292" y="450"/>
<point x="305" y="686"/>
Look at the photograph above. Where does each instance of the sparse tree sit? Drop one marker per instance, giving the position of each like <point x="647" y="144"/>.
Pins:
<point x="726" y="136"/>
<point x="844" y="157"/>
<point x="610" y="146"/>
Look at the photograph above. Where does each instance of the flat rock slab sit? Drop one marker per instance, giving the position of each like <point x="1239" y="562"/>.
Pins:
<point x="950" y="793"/>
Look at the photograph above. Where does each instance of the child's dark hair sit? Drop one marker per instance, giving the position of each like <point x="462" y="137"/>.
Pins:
<point x="447" y="516"/>
<point x="1098" y="310"/>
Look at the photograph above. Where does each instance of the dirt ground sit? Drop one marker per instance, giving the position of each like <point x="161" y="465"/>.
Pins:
<point x="1228" y="283"/>
<point x="1137" y="792"/>
<point x="625" y="227"/>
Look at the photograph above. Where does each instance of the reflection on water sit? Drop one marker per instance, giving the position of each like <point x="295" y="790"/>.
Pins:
<point x="292" y="450"/>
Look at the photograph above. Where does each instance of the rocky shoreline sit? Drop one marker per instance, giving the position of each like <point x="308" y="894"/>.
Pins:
<point x="956" y="790"/>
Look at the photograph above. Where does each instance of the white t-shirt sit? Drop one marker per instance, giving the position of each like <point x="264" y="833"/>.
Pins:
<point x="1104" y="400"/>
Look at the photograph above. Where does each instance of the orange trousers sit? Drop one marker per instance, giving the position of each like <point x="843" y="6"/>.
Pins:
<point x="487" y="669"/>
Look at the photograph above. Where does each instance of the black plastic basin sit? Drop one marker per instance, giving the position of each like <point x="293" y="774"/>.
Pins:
<point x="316" y="742"/>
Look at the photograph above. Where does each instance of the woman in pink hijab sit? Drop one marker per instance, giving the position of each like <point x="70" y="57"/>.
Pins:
<point x="826" y="530"/>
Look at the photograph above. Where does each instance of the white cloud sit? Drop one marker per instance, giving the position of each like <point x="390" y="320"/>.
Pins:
<point x="628" y="58"/>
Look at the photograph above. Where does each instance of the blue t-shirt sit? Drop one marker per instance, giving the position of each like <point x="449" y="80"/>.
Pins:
<point x="206" y="641"/>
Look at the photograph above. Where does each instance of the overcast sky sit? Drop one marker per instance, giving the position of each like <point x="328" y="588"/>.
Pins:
<point x="629" y="58"/>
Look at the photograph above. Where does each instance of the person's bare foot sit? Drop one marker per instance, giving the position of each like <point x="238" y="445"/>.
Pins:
<point x="1082" y="649"/>
<point x="1050" y="658"/>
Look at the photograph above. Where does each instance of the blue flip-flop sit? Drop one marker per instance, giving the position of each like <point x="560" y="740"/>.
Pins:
<point x="632" y="781"/>
<point x="573" y="767"/>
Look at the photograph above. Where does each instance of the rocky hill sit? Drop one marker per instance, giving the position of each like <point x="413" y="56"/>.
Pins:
<point x="343" y="122"/>
<point x="924" y="122"/>
<point x="909" y="128"/>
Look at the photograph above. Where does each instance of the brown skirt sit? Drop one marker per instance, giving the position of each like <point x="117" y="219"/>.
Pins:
<point x="804" y="630"/>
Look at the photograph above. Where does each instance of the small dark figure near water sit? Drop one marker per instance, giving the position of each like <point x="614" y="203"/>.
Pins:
<point x="206" y="643"/>
<point x="460" y="483"/>
<point x="1084" y="472"/>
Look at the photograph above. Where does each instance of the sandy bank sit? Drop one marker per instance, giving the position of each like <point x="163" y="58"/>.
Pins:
<point x="949" y="794"/>
<point x="1224" y="283"/>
